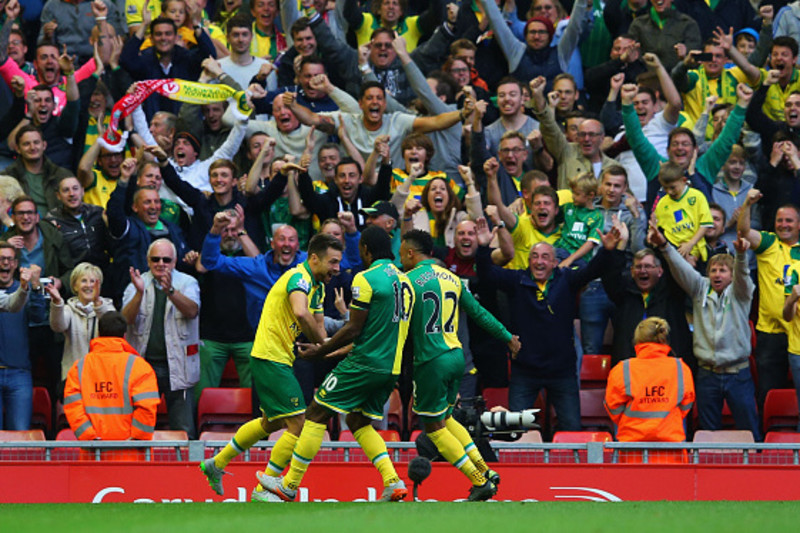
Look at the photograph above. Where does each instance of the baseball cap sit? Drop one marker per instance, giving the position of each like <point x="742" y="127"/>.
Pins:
<point x="381" y="207"/>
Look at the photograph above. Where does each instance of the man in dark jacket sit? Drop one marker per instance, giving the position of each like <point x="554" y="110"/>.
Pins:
<point x="34" y="170"/>
<point x="647" y="290"/>
<point x="165" y="59"/>
<point x="80" y="224"/>
<point x="543" y="304"/>
<point x="133" y="234"/>
<point x="349" y="194"/>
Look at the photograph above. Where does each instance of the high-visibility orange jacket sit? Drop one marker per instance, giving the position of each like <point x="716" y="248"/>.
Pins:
<point x="648" y="396"/>
<point x="111" y="393"/>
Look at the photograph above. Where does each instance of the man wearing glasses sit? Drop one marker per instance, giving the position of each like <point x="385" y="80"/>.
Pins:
<point x="162" y="307"/>
<point x="573" y="158"/>
<point x="41" y="245"/>
<point x="645" y="290"/>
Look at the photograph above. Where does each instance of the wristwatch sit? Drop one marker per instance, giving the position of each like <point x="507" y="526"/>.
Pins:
<point x="171" y="291"/>
<point x="241" y="233"/>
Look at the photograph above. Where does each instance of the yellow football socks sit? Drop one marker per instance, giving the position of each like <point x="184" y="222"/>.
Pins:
<point x="461" y="433"/>
<point x="375" y="449"/>
<point x="247" y="435"/>
<point x="281" y="454"/>
<point x="304" y="451"/>
<point x="453" y="451"/>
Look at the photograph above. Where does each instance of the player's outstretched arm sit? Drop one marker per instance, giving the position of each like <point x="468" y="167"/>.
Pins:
<point x="343" y="337"/>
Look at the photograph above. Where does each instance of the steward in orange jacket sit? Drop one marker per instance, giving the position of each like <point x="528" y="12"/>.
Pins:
<point x="648" y="396"/>
<point x="111" y="393"/>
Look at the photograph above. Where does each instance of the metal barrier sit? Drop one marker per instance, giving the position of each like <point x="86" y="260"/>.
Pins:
<point x="334" y="451"/>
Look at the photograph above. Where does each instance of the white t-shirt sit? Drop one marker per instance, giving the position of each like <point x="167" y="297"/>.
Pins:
<point x="396" y="125"/>
<point x="290" y="143"/>
<point x="243" y="74"/>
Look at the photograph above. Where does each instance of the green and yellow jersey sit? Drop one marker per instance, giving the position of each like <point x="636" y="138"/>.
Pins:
<point x="434" y="322"/>
<point x="100" y="189"/>
<point x="777" y="95"/>
<point x="408" y="27"/>
<point x="278" y="327"/>
<point x="680" y="219"/>
<point x="386" y="294"/>
<point x="774" y="260"/>
<point x="793" y="327"/>
<point x="524" y="235"/>
<point x="580" y="225"/>
<point x="400" y="176"/>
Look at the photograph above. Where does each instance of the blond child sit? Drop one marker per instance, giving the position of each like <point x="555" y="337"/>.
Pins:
<point x="581" y="220"/>
<point x="683" y="213"/>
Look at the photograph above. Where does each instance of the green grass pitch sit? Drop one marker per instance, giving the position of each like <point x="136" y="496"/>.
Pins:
<point x="406" y="517"/>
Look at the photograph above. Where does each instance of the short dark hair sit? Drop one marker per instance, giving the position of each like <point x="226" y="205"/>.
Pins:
<point x="8" y="246"/>
<point x="313" y="59"/>
<point x="446" y="84"/>
<point x="649" y="91"/>
<point x="239" y="20"/>
<point x="321" y="242"/>
<point x="719" y="208"/>
<point x="786" y="42"/>
<point x="377" y="242"/>
<point x="27" y="129"/>
<point x="163" y="20"/>
<point x="112" y="324"/>
<point x="367" y="85"/>
<point x="349" y="161"/>
<point x="506" y="80"/>
<point x="299" y="25"/>
<point x="420" y="240"/>
<point x="19" y="200"/>
<point x="546" y="190"/>
<point x="381" y="30"/>
<point x="680" y="130"/>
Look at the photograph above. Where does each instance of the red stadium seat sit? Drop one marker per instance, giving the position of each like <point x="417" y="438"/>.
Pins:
<point x="576" y="437"/>
<point x="22" y="454"/>
<point x="729" y="456"/>
<point x="66" y="434"/>
<point x="782" y="437"/>
<point x="594" y="416"/>
<point x="389" y="435"/>
<point x="594" y="371"/>
<point x="780" y="410"/>
<point x="42" y="410"/>
<point x="230" y="377"/>
<point x="494" y="396"/>
<point x="581" y="436"/>
<point x="221" y="409"/>
<point x="22" y="435"/>
<point x="170" y="454"/>
<point x="523" y="456"/>
<point x="346" y="436"/>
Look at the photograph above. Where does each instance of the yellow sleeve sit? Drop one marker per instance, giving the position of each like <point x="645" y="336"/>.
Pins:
<point x="362" y="292"/>
<point x="703" y="211"/>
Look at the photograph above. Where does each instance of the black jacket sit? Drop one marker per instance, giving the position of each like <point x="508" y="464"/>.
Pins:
<point x="667" y="300"/>
<point x="328" y="204"/>
<point x="85" y="237"/>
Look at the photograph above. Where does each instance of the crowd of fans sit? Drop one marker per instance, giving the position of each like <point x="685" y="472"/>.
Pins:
<point x="518" y="133"/>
